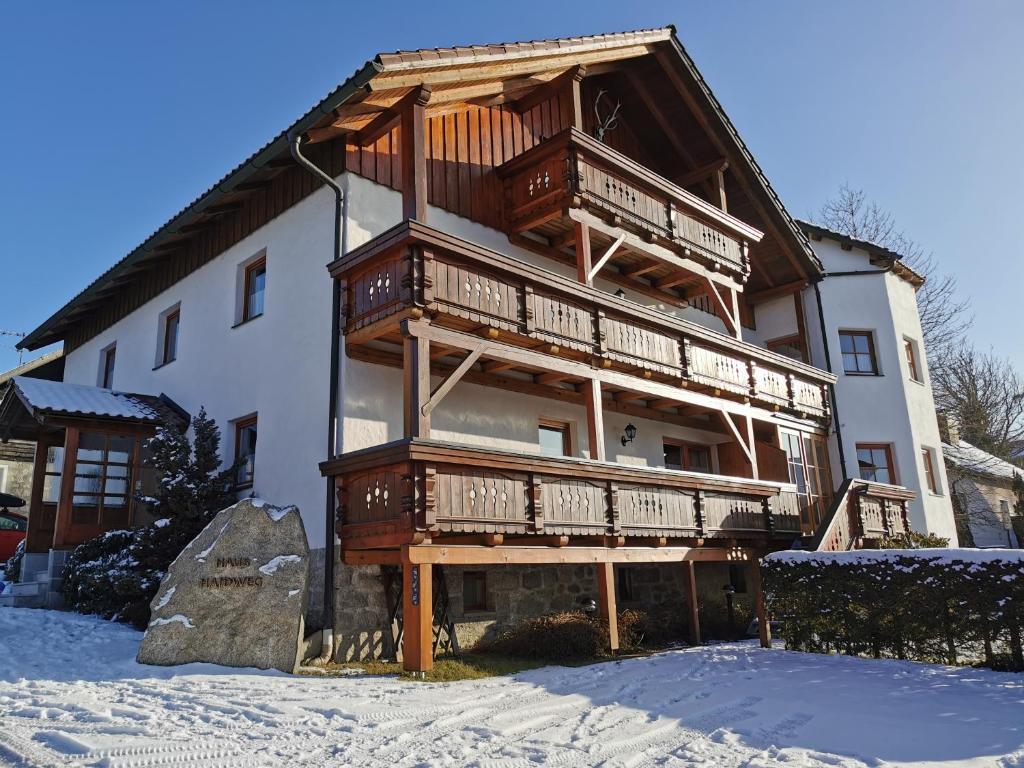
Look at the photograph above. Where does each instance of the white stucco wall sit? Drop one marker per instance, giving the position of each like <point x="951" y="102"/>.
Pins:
<point x="277" y="365"/>
<point x="891" y="407"/>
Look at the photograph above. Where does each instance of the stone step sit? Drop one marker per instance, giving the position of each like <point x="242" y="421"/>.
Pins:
<point x="27" y="588"/>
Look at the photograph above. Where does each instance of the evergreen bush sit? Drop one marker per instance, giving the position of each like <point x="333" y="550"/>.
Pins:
<point x="116" y="575"/>
<point x="12" y="569"/>
<point x="945" y="606"/>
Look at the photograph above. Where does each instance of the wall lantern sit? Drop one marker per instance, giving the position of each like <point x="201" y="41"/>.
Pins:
<point x="630" y="434"/>
<point x="588" y="605"/>
<point x="621" y="294"/>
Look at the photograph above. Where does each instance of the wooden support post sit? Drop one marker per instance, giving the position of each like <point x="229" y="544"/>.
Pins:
<point x="609" y="612"/>
<point x="416" y="394"/>
<point x="690" y="592"/>
<point x="595" y="419"/>
<point x="62" y="524"/>
<point x="764" y="630"/>
<point x="413" y="146"/>
<point x="417" y="615"/>
<point x="584" y="263"/>
<point x="753" y="447"/>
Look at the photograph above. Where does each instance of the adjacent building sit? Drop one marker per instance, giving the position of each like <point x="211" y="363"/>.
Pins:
<point x="560" y="356"/>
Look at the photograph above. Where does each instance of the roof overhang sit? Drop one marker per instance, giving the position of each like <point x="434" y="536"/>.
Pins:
<point x="389" y="74"/>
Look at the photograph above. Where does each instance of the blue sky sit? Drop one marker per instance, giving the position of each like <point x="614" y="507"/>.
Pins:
<point x="116" y="115"/>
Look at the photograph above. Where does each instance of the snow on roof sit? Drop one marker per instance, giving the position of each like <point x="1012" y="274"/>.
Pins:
<point x="973" y="459"/>
<point x="58" y="397"/>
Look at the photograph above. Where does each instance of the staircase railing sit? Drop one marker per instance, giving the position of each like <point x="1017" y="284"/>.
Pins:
<point x="862" y="513"/>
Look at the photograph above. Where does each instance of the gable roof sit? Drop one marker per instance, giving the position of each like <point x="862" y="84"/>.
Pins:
<point x="973" y="459"/>
<point x="878" y="255"/>
<point x="423" y="61"/>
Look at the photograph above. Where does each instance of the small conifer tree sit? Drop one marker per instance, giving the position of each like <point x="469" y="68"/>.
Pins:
<point x="116" y="575"/>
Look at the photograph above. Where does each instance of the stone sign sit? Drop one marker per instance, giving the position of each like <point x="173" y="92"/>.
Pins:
<point x="236" y="595"/>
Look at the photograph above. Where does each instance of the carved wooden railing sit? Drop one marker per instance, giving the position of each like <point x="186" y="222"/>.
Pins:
<point x="573" y="169"/>
<point x="432" y="487"/>
<point x="415" y="267"/>
<point x="862" y="513"/>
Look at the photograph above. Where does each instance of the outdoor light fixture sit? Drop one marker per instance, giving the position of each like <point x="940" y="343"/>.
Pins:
<point x="730" y="592"/>
<point x="588" y="605"/>
<point x="630" y="434"/>
<point x="620" y="293"/>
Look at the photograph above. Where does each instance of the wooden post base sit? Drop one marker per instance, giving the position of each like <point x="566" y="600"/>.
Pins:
<point x="764" y="629"/>
<point x="417" y="615"/>
<point x="609" y="612"/>
<point x="690" y="592"/>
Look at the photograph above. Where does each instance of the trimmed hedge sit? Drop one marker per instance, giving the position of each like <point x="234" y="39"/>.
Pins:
<point x="937" y="605"/>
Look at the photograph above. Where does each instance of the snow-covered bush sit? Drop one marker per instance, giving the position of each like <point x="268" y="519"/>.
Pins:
<point x="12" y="569"/>
<point x="943" y="605"/>
<point x="117" y="574"/>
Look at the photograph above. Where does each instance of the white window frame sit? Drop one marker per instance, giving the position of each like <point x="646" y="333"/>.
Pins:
<point x="240" y="280"/>
<point x="102" y="368"/>
<point x="161" y="336"/>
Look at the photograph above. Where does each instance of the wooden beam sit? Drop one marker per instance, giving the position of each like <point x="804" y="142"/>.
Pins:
<point x="703" y="172"/>
<point x="497" y="366"/>
<point x="775" y="292"/>
<point x="568" y="80"/>
<point x="604" y="259"/>
<point x="726" y="313"/>
<point x="550" y="378"/>
<point x="595" y="418"/>
<point x="606" y="602"/>
<point x="390" y="117"/>
<point x="446" y="386"/>
<point x="505" y="69"/>
<point x="413" y="144"/>
<point x="641" y="269"/>
<point x="416" y="390"/>
<point x="764" y="629"/>
<point x="583" y="258"/>
<point x="553" y="555"/>
<point x="417" y="615"/>
<point x="690" y="592"/>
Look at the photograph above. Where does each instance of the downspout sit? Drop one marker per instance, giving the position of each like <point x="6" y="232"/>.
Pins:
<point x="340" y="245"/>
<point x="828" y="356"/>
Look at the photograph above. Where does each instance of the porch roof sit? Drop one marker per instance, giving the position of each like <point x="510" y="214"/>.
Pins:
<point x="29" y="399"/>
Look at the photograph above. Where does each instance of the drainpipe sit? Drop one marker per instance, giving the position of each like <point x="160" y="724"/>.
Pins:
<point x="828" y="356"/>
<point x="340" y="246"/>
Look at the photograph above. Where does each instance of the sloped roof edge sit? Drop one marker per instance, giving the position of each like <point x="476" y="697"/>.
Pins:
<point x="48" y="331"/>
<point x="874" y="250"/>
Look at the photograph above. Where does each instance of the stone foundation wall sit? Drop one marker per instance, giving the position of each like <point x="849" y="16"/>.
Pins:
<point x="514" y="593"/>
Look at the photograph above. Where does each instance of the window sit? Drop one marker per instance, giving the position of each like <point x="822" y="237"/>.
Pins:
<point x="931" y="481"/>
<point x="790" y="346"/>
<point x="858" y="348"/>
<point x="809" y="471"/>
<point x="102" y="481"/>
<point x="245" y="450"/>
<point x="107" y="358"/>
<point x="692" y="458"/>
<point x="554" y="438"/>
<point x="474" y="591"/>
<point x="255" y="288"/>
<point x="51" y="474"/>
<point x="910" y="350"/>
<point x="875" y="463"/>
<point x="169" y="334"/>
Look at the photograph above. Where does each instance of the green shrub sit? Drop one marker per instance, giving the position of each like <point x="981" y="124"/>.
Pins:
<point x="913" y="540"/>
<point x="566" y="636"/>
<point x="948" y="606"/>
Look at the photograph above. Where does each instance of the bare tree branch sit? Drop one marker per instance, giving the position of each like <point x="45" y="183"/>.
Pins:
<point x="945" y="314"/>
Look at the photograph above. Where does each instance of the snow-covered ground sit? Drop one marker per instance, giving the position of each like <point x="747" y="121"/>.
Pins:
<point x="71" y="694"/>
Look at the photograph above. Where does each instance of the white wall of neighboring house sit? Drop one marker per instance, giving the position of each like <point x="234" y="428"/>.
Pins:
<point x="889" y="408"/>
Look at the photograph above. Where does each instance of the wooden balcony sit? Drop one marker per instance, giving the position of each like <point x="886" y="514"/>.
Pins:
<point x="411" y="490"/>
<point x="416" y="271"/>
<point x="862" y="514"/>
<point x="572" y="170"/>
